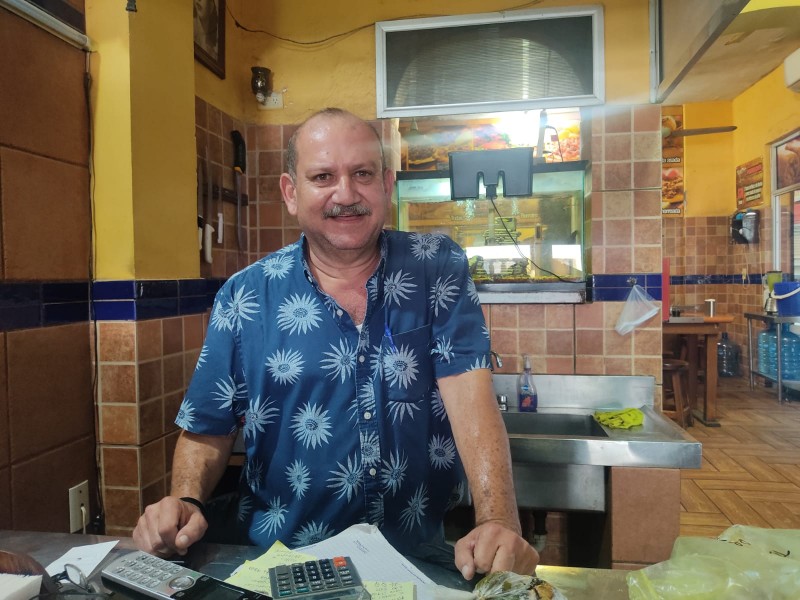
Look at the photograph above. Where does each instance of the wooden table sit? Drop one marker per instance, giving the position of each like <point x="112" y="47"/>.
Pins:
<point x="709" y="329"/>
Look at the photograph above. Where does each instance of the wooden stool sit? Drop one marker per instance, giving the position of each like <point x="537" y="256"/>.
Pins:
<point x="675" y="403"/>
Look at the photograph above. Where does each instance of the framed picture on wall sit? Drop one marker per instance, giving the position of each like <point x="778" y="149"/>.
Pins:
<point x="209" y="35"/>
<point x="787" y="162"/>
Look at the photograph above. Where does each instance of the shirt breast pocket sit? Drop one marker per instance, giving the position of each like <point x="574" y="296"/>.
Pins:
<point x="407" y="365"/>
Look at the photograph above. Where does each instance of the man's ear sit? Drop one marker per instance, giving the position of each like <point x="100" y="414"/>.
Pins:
<point x="289" y="193"/>
<point x="388" y="182"/>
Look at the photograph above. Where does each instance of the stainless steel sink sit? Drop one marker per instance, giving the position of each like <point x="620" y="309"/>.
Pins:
<point x="560" y="455"/>
<point x="552" y="424"/>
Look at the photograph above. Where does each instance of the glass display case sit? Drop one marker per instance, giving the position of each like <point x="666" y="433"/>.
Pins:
<point x="529" y="249"/>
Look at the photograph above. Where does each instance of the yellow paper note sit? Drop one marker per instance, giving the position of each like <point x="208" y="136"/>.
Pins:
<point x="254" y="574"/>
<point x="390" y="590"/>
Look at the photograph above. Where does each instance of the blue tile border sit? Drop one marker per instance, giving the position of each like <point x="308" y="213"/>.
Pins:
<point x="615" y="288"/>
<point x="29" y="305"/>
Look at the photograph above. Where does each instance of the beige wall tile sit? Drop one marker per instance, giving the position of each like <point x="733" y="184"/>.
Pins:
<point x="117" y="383"/>
<point x="120" y="466"/>
<point x="149" y="337"/>
<point x="123" y="507"/>
<point x="153" y="462"/>
<point x="119" y="424"/>
<point x="151" y="420"/>
<point x="151" y="384"/>
<point x="117" y="342"/>
<point x="172" y="335"/>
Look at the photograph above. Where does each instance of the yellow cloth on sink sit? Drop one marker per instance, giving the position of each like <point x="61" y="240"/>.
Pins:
<point x="620" y="419"/>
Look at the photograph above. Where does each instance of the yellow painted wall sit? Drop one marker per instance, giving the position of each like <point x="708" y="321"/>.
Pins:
<point x="164" y="164"/>
<point x="764" y="113"/>
<point x="144" y="140"/>
<point x="107" y="27"/>
<point x="708" y="172"/>
<point x="341" y="72"/>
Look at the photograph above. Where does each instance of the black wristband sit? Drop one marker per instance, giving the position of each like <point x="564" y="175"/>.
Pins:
<point x="197" y="503"/>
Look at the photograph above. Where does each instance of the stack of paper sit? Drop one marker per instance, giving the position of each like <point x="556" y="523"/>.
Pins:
<point x="386" y="574"/>
<point x="19" y="587"/>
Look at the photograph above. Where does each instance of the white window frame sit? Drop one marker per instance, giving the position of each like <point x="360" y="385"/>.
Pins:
<point x="598" y="62"/>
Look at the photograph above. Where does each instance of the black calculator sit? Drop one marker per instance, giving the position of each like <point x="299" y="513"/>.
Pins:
<point x="323" y="579"/>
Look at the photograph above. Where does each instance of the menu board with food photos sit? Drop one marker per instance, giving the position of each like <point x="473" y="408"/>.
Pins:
<point x="673" y="198"/>
<point x="787" y="163"/>
<point x="750" y="183"/>
<point x="427" y="143"/>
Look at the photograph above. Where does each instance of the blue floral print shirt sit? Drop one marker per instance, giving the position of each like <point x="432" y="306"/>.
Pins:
<point x="341" y="426"/>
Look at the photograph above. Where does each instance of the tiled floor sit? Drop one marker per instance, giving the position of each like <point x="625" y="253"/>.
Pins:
<point x="751" y="464"/>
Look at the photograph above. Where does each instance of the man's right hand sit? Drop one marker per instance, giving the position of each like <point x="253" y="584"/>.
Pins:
<point x="169" y="527"/>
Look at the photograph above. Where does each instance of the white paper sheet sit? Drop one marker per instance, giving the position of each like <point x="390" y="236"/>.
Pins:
<point x="374" y="557"/>
<point x="86" y="558"/>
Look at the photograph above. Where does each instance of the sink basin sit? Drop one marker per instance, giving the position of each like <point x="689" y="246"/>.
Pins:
<point x="553" y="424"/>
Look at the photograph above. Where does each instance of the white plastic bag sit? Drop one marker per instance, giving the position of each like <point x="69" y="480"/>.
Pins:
<point x="639" y="307"/>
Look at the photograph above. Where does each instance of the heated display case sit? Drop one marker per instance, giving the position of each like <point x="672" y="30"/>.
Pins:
<point x="530" y="249"/>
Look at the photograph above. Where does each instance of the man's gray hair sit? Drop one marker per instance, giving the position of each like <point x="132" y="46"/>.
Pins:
<point x="291" y="147"/>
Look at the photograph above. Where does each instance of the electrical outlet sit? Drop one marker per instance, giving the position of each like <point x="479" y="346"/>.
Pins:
<point x="78" y="497"/>
<point x="274" y="100"/>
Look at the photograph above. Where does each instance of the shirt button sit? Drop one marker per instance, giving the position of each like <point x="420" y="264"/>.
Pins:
<point x="339" y="313"/>
<point x="361" y="358"/>
<point x="367" y="415"/>
<point x="372" y="471"/>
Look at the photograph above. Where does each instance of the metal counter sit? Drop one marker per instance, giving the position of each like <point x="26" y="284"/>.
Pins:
<point x="220" y="560"/>
<point x="658" y="442"/>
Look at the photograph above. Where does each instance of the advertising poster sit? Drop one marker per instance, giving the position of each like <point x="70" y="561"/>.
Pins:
<point x="750" y="183"/>
<point x="787" y="163"/>
<point x="672" y="192"/>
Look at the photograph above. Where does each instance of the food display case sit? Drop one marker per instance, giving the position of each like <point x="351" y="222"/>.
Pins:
<point x="531" y="249"/>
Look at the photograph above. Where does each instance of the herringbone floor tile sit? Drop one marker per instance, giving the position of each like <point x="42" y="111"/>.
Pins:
<point x="750" y="473"/>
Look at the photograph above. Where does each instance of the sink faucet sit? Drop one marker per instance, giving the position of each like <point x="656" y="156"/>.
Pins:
<point x="497" y="359"/>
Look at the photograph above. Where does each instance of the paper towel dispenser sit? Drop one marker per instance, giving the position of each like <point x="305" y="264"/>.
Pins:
<point x="744" y="226"/>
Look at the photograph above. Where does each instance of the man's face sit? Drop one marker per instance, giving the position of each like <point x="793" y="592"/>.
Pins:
<point x="340" y="195"/>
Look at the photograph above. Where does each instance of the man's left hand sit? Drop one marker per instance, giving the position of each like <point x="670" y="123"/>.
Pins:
<point x="492" y="546"/>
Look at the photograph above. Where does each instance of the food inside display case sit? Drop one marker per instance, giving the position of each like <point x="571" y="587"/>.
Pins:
<point x="534" y="239"/>
<point x="427" y="142"/>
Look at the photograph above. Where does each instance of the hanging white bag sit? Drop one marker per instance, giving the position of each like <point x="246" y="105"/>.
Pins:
<point x="639" y="307"/>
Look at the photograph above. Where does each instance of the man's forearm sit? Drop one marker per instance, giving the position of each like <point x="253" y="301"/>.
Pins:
<point x="198" y="464"/>
<point x="483" y="446"/>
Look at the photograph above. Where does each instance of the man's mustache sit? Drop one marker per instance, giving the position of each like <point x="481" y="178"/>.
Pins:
<point x="339" y="210"/>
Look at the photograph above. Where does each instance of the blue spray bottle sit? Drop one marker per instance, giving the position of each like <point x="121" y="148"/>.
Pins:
<point x="526" y="390"/>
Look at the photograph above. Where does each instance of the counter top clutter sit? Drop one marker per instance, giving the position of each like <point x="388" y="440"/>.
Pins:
<point x="220" y="561"/>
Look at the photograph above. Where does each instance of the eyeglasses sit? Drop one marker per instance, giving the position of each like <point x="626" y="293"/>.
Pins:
<point x="72" y="585"/>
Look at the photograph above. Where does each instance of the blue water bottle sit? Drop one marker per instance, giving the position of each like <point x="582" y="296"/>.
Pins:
<point x="767" y="352"/>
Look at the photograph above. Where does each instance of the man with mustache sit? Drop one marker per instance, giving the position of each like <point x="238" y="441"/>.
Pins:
<point x="356" y="363"/>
